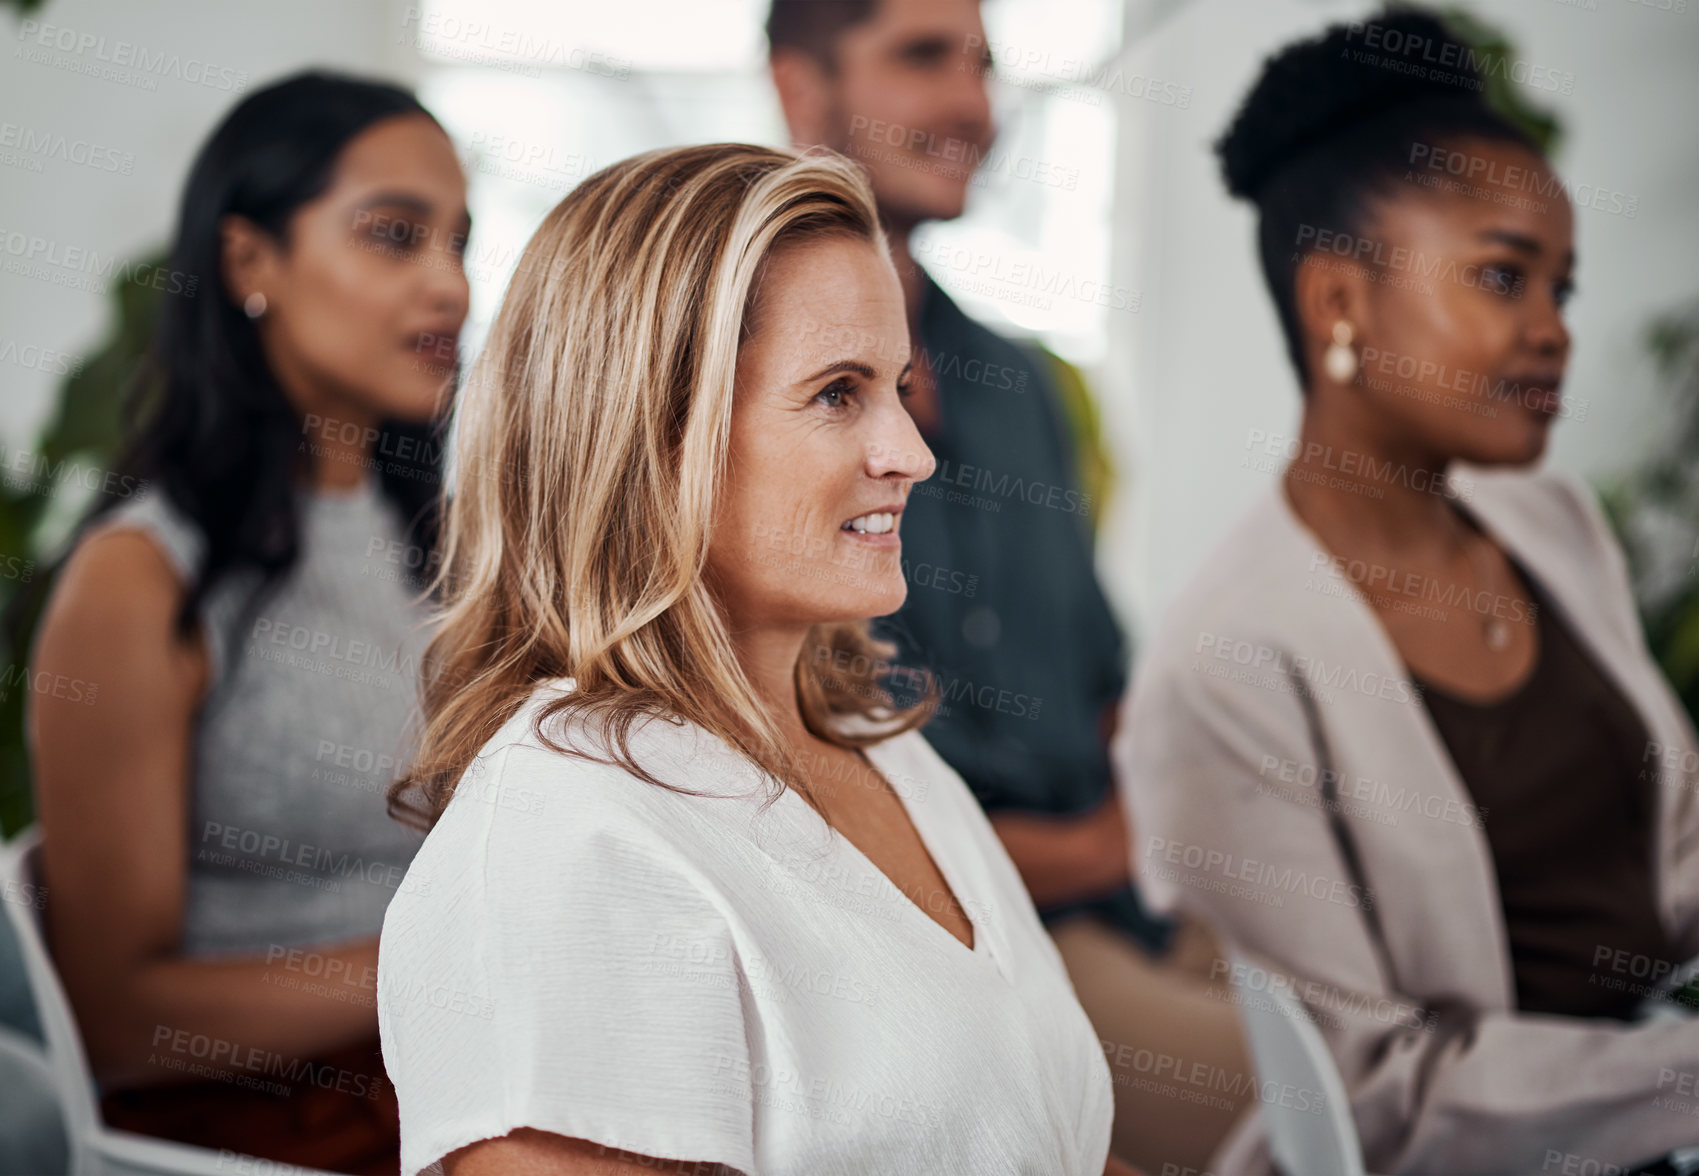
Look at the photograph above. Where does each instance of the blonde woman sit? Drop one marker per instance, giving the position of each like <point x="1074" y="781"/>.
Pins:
<point x="694" y="890"/>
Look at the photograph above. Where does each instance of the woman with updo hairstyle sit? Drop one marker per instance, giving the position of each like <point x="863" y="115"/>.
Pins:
<point x="1401" y="741"/>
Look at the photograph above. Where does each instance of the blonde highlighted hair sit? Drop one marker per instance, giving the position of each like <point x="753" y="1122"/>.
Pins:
<point x="590" y="443"/>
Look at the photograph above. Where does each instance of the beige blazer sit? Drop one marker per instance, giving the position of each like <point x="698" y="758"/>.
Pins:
<point x="1284" y="782"/>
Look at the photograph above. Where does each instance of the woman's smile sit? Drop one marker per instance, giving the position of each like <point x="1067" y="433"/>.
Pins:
<point x="877" y="528"/>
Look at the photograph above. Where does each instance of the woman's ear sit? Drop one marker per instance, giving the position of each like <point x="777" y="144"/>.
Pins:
<point x="1328" y="291"/>
<point x="246" y="258"/>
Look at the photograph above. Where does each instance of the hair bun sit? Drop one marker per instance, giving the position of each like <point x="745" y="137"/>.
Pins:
<point x="1314" y="89"/>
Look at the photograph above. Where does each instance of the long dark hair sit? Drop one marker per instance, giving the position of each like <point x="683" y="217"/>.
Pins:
<point x="216" y="433"/>
<point x="1330" y="124"/>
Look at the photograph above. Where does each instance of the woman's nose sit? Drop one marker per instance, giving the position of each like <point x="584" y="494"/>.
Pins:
<point x="897" y="448"/>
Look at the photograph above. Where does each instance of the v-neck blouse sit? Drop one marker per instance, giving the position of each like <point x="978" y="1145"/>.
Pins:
<point x="711" y="978"/>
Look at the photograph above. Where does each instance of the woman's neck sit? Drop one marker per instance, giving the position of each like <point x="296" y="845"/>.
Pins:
<point x="338" y="450"/>
<point x="768" y="656"/>
<point x="1365" y="494"/>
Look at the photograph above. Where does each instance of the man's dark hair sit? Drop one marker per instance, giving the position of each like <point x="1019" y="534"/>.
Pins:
<point x="814" y="26"/>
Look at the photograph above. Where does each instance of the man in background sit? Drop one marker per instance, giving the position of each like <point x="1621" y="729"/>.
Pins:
<point x="1004" y="606"/>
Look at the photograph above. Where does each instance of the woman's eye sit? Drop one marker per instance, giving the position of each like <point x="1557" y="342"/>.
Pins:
<point x="905" y="389"/>
<point x="1502" y="279"/>
<point x="1563" y="292"/>
<point x="394" y="236"/>
<point x="840" y="389"/>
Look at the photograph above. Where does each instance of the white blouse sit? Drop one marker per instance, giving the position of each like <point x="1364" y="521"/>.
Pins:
<point x="691" y="978"/>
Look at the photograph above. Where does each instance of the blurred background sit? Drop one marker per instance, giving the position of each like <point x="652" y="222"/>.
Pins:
<point x="1098" y="227"/>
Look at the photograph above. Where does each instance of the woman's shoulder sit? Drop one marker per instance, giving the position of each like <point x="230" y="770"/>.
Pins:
<point x="565" y="785"/>
<point x="1554" y="508"/>
<point x="151" y="512"/>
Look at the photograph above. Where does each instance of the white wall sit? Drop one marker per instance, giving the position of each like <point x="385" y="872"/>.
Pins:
<point x="155" y="130"/>
<point x="1186" y="377"/>
<point x="1201" y="364"/>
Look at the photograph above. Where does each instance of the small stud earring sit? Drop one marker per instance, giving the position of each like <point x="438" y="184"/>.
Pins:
<point x="255" y="305"/>
<point x="1340" y="360"/>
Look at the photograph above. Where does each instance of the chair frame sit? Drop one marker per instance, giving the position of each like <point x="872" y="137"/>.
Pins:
<point x="95" y="1149"/>
<point x="1287" y="1047"/>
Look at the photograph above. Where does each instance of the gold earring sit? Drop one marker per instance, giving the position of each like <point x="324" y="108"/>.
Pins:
<point x="254" y="306"/>
<point x="1340" y="361"/>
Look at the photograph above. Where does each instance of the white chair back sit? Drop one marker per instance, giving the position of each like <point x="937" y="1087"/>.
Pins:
<point x="95" y="1149"/>
<point x="1288" y="1050"/>
<point x="32" y="1129"/>
<point x="26" y="908"/>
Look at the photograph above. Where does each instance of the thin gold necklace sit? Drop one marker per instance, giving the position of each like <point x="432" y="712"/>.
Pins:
<point x="1494" y="629"/>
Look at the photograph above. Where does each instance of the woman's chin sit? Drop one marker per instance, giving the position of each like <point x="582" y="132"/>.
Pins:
<point x="873" y="601"/>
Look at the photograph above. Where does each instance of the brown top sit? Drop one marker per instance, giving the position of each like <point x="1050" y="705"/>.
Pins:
<point x="1569" y="818"/>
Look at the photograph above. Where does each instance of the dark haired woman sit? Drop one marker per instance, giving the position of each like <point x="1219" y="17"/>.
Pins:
<point x="215" y="835"/>
<point x="1403" y="743"/>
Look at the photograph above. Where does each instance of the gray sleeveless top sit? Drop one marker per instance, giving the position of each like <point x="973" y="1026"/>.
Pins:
<point x="311" y="711"/>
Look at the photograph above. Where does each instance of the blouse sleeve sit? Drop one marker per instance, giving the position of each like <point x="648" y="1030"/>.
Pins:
<point x="554" y="966"/>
